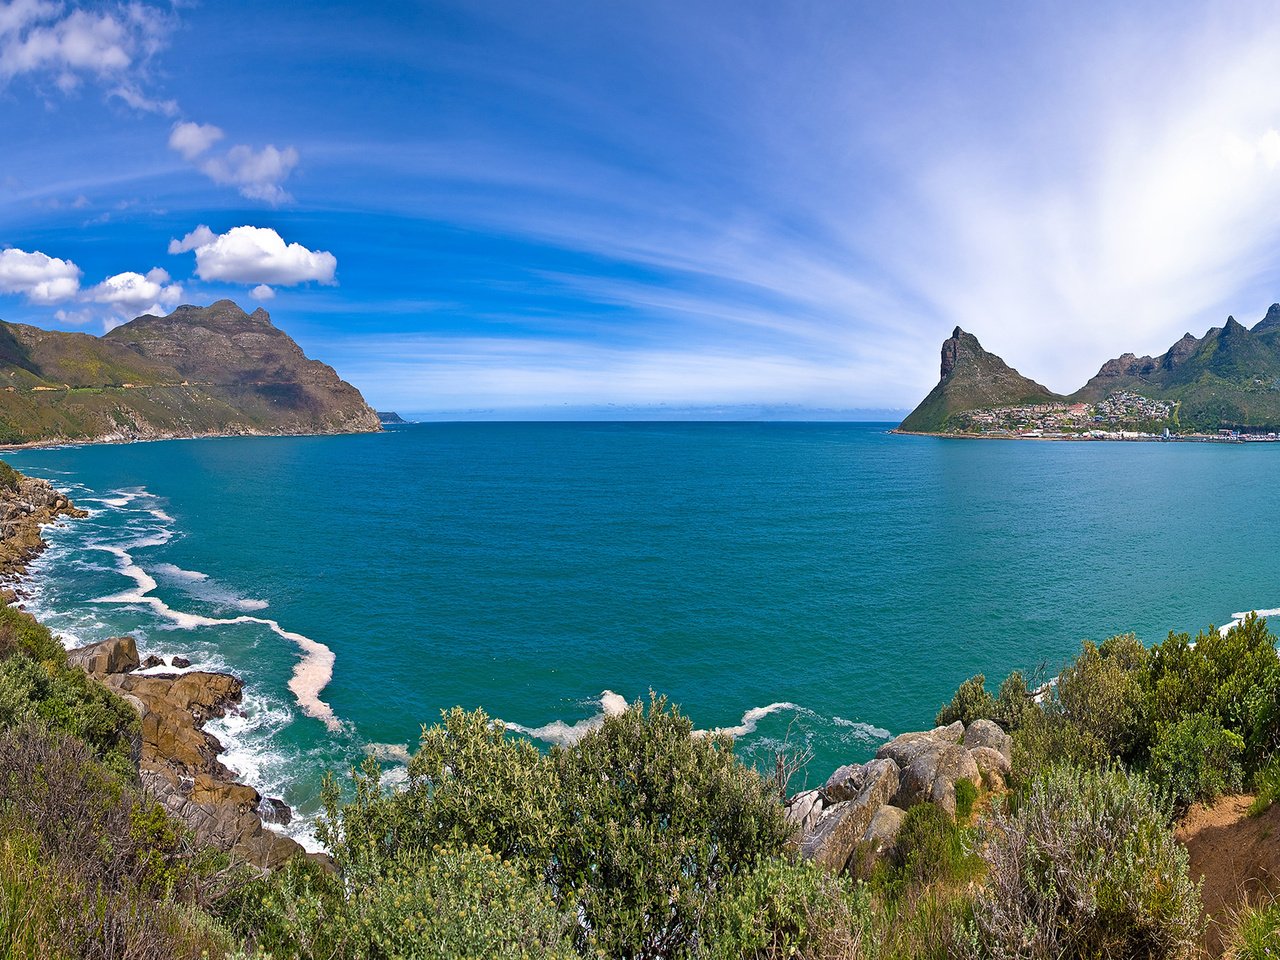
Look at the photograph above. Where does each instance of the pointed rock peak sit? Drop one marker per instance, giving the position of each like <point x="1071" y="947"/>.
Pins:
<point x="261" y="316"/>
<point x="1271" y="321"/>
<point x="957" y="333"/>
<point x="1233" y="326"/>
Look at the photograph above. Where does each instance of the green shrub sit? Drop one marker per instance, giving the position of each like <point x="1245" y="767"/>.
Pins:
<point x="1102" y="694"/>
<point x="455" y="904"/>
<point x="294" y="913"/>
<point x="9" y="477"/>
<point x="929" y="847"/>
<point x="971" y="702"/>
<point x="1196" y="760"/>
<point x="1047" y="737"/>
<point x="1086" y="867"/>
<point x="1257" y="933"/>
<point x="1014" y="702"/>
<point x="637" y="827"/>
<point x="782" y="910"/>
<point x="1266" y="784"/>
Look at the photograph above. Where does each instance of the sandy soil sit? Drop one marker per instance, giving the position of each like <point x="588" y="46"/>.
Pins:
<point x="1237" y="856"/>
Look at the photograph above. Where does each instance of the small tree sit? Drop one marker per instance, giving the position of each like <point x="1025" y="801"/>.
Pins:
<point x="971" y="702"/>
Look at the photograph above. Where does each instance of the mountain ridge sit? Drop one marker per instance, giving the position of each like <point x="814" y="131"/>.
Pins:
<point x="199" y="371"/>
<point x="1227" y="379"/>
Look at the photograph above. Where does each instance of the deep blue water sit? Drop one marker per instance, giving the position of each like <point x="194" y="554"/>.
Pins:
<point x="855" y="576"/>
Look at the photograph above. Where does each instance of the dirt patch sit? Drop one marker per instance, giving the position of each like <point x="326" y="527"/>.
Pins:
<point x="1238" y="857"/>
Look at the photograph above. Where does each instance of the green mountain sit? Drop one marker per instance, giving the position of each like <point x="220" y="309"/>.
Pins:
<point x="1230" y="377"/>
<point x="199" y="371"/>
<point x="972" y="379"/>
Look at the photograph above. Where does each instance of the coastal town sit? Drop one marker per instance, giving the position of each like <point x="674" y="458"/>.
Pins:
<point x="1121" y="416"/>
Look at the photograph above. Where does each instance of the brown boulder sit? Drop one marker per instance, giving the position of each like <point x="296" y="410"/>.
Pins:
<point x="117" y="655"/>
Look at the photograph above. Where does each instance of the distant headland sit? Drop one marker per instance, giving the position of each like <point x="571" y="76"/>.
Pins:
<point x="200" y="371"/>
<point x="1224" y="386"/>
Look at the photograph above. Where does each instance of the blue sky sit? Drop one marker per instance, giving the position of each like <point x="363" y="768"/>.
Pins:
<point x="484" y="208"/>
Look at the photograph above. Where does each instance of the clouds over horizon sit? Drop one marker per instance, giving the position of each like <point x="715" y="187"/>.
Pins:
<point x="813" y="198"/>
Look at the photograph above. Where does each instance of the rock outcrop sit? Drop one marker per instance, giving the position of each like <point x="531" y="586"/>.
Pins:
<point x="851" y="820"/>
<point x="178" y="761"/>
<point x="117" y="655"/>
<point x="26" y="505"/>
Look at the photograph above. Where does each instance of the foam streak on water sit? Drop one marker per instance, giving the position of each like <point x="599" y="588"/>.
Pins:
<point x="312" y="673"/>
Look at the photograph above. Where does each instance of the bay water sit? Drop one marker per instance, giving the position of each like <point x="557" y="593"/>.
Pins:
<point x="826" y="583"/>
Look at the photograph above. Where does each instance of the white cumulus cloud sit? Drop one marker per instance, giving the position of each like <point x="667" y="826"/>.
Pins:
<point x="262" y="292"/>
<point x="193" y="139"/>
<point x="37" y="276"/>
<point x="256" y="255"/>
<point x="133" y="294"/>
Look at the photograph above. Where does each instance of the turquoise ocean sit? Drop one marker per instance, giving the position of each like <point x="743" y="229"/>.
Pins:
<point x="828" y="582"/>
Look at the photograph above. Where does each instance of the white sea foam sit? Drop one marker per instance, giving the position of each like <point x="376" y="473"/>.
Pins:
<point x="861" y="730"/>
<point x="751" y="719"/>
<point x="200" y="586"/>
<point x="175" y="572"/>
<point x="310" y="675"/>
<point x="567" y="734"/>
<point x="1239" y="618"/>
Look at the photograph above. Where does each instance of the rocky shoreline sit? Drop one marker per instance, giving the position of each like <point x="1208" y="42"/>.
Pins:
<point x="177" y="760"/>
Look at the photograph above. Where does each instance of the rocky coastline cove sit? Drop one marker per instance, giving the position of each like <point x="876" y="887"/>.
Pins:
<point x="847" y="823"/>
<point x="177" y="760"/>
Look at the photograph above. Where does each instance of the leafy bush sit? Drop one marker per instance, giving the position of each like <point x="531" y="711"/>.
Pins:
<point x="455" y="904"/>
<point x="637" y="827"/>
<point x="1196" y="760"/>
<point x="971" y="702"/>
<point x="1101" y="694"/>
<point x="782" y="910"/>
<point x="1014" y="701"/>
<point x="9" y="477"/>
<point x="37" y="685"/>
<point x="1086" y="867"/>
<point x="92" y="869"/>
<point x="1047" y="737"/>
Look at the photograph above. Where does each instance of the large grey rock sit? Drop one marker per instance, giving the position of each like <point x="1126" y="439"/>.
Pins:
<point x="849" y="781"/>
<point x="932" y="774"/>
<point x="841" y="826"/>
<point x="883" y="829"/>
<point x="993" y="765"/>
<point x="803" y="810"/>
<point x="987" y="733"/>
<point x="952" y="732"/>
<point x="117" y="655"/>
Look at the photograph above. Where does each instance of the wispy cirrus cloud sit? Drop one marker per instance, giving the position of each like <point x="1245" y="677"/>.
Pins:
<point x="62" y="47"/>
